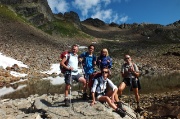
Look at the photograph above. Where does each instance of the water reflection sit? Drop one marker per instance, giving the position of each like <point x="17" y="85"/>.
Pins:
<point x="15" y="87"/>
<point x="55" y="80"/>
<point x="150" y="84"/>
<point x="160" y="83"/>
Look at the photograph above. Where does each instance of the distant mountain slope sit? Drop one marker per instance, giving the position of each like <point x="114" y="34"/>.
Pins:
<point x="26" y="43"/>
<point x="20" y="38"/>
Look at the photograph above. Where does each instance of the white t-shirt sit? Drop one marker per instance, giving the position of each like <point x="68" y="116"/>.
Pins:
<point x="73" y="62"/>
<point x="103" y="85"/>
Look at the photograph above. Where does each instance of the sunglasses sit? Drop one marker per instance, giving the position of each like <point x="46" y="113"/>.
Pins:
<point x="105" y="72"/>
<point x="127" y="58"/>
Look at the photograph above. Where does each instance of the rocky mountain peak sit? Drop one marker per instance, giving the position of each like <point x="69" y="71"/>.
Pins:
<point x="94" y="22"/>
<point x="37" y="12"/>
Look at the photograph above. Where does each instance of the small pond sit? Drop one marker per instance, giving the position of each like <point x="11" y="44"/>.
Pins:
<point x="149" y="84"/>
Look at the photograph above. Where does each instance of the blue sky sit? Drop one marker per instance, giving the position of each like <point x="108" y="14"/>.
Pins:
<point x="121" y="11"/>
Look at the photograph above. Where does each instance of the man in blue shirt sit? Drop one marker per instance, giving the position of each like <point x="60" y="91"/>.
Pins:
<point x="88" y="60"/>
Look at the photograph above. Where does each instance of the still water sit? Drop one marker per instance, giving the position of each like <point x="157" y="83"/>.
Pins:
<point x="149" y="84"/>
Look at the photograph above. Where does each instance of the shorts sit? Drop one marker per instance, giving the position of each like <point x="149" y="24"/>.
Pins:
<point x="134" y="82"/>
<point x="74" y="77"/>
<point x="98" y="95"/>
<point x="87" y="76"/>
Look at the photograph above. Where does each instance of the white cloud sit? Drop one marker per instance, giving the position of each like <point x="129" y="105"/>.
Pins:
<point x="106" y="2"/>
<point x="124" y="19"/>
<point x="85" y="6"/>
<point x="58" y="6"/>
<point x="104" y="15"/>
<point x="89" y="8"/>
<point x="115" y="18"/>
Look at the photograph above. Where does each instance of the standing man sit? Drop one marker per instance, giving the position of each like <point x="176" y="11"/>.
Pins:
<point x="72" y="71"/>
<point x="130" y="73"/>
<point x="88" y="60"/>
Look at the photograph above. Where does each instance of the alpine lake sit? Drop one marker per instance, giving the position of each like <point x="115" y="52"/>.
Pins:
<point x="149" y="84"/>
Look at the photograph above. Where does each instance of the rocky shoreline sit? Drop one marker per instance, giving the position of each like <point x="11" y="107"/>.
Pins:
<point x="49" y="106"/>
<point x="52" y="107"/>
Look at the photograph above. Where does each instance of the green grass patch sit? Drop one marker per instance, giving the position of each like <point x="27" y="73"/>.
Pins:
<point x="5" y="12"/>
<point x="63" y="28"/>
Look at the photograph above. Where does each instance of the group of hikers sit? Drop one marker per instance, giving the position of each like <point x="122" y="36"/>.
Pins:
<point x="97" y="82"/>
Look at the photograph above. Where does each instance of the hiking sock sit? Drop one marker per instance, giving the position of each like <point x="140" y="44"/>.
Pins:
<point x="65" y="98"/>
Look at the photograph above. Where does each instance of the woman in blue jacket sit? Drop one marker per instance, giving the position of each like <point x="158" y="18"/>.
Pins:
<point x="104" y="60"/>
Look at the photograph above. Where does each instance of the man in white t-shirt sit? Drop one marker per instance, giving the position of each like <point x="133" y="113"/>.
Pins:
<point x="72" y="71"/>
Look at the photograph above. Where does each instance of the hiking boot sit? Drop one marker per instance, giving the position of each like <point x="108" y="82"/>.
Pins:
<point x="119" y="105"/>
<point x="139" y="109"/>
<point x="121" y="112"/>
<point x="67" y="104"/>
<point x="84" y="96"/>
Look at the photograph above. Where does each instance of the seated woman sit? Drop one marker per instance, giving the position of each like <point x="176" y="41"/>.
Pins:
<point x="99" y="92"/>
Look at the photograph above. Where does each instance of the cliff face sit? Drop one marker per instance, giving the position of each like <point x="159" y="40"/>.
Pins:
<point x="37" y="12"/>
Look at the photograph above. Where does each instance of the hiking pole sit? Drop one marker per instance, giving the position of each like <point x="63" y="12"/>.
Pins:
<point x="70" y="91"/>
<point x="131" y="116"/>
<point x="130" y="88"/>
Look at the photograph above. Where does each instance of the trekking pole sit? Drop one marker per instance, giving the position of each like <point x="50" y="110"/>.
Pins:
<point x="70" y="91"/>
<point x="131" y="116"/>
<point x="130" y="88"/>
<point x="83" y="73"/>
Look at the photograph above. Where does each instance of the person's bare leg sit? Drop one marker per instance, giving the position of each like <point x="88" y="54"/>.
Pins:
<point x="67" y="90"/>
<point x="137" y="97"/>
<point x="83" y="81"/>
<point x="108" y="100"/>
<point x="121" y="88"/>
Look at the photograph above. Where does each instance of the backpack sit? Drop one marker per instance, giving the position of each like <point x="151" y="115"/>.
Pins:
<point x="91" y="79"/>
<point x="62" y="55"/>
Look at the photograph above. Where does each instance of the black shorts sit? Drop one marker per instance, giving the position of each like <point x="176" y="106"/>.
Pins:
<point x="134" y="82"/>
<point x="74" y="77"/>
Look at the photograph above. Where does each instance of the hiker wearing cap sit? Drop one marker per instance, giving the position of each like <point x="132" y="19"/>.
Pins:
<point x="100" y="93"/>
<point x="88" y="61"/>
<point x="72" y="72"/>
<point x="104" y="60"/>
<point x="130" y="74"/>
